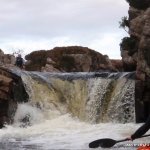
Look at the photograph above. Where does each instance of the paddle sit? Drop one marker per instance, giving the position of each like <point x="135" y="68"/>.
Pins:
<point x="107" y="143"/>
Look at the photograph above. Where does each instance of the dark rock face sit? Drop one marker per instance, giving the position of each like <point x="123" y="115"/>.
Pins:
<point x="129" y="52"/>
<point x="11" y="92"/>
<point x="118" y="64"/>
<point x="139" y="4"/>
<point x="135" y="52"/>
<point x="6" y="59"/>
<point x="5" y="97"/>
<point x="68" y="59"/>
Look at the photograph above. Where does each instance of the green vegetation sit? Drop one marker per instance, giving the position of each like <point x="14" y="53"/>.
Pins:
<point x="139" y="4"/>
<point x="129" y="44"/>
<point x="124" y="23"/>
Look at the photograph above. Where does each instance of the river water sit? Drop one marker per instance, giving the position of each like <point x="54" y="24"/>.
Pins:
<point x="68" y="111"/>
<point x="64" y="132"/>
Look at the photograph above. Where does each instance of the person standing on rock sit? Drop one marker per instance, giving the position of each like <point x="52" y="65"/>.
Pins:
<point x="19" y="61"/>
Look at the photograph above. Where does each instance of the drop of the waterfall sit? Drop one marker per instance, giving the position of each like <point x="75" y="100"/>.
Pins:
<point x="27" y="115"/>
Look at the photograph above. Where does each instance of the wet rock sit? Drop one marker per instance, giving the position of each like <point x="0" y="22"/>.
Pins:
<point x="5" y="97"/>
<point x="11" y="92"/>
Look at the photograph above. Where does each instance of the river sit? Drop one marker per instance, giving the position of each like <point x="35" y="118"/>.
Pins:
<point x="68" y="111"/>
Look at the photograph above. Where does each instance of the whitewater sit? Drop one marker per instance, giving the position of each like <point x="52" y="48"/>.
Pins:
<point x="62" y="132"/>
<point x="68" y="111"/>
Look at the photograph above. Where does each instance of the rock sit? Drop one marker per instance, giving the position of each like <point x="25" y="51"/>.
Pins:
<point x="139" y="30"/>
<point x="139" y="4"/>
<point x="135" y="52"/>
<point x="68" y="59"/>
<point x="129" y="62"/>
<point x="118" y="64"/>
<point x="5" y="97"/>
<point x="50" y="61"/>
<point x="133" y="13"/>
<point x="49" y="68"/>
<point x="6" y="59"/>
<point x="136" y="26"/>
<point x="11" y="92"/>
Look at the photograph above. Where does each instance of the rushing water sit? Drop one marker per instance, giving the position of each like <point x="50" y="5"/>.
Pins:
<point x="67" y="111"/>
<point x="63" y="132"/>
<point x="88" y="96"/>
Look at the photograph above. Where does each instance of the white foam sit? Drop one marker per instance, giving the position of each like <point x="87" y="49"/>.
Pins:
<point x="64" y="132"/>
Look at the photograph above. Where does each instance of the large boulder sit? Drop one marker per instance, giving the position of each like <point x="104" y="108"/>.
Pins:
<point x="68" y="59"/>
<point x="11" y="92"/>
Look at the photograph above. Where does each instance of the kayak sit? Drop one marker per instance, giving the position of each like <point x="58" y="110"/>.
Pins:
<point x="144" y="147"/>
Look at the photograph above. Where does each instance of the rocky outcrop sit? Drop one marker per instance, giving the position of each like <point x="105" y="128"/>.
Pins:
<point x="68" y="59"/>
<point x="140" y="28"/>
<point x="117" y="64"/>
<point x="135" y="52"/>
<point x="139" y="4"/>
<point x="5" y="98"/>
<point x="6" y="59"/>
<point x="135" y="49"/>
<point x="11" y="92"/>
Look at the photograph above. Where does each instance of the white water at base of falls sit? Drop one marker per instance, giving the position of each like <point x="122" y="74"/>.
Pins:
<point x="63" y="108"/>
<point x="62" y="131"/>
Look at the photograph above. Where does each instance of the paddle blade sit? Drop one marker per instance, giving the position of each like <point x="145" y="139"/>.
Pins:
<point x="105" y="143"/>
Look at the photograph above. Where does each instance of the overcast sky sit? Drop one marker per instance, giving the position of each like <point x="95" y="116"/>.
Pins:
<point x="43" y="24"/>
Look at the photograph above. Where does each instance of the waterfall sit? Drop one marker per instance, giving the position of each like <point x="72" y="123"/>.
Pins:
<point x="111" y="100"/>
<point x="91" y="97"/>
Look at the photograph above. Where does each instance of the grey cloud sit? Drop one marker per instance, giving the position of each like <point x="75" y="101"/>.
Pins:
<point x="54" y="17"/>
<point x="81" y="20"/>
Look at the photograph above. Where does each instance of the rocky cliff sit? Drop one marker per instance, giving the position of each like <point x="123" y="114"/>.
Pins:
<point x="70" y="59"/>
<point x="135" y="52"/>
<point x="6" y="59"/>
<point x="11" y="89"/>
<point x="11" y="92"/>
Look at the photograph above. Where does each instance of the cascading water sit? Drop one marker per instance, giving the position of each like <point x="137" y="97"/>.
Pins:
<point x="83" y="95"/>
<point x="63" y="108"/>
<point x="107" y="94"/>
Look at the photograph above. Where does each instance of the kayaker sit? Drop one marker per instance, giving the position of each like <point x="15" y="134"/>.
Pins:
<point x="141" y="131"/>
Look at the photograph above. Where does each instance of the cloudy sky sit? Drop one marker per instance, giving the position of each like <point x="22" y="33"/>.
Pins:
<point x="30" y="25"/>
